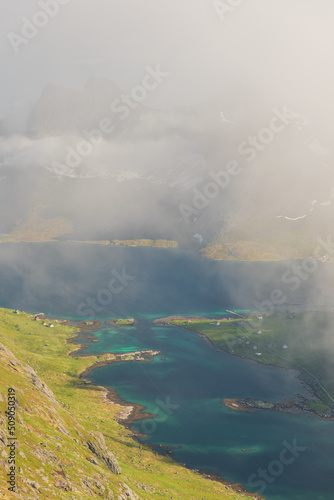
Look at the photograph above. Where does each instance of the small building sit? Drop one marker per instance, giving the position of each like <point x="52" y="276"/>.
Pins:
<point x="260" y="317"/>
<point x="259" y="332"/>
<point x="218" y="323"/>
<point x="285" y="346"/>
<point x="258" y="353"/>
<point x="36" y="318"/>
<point x="51" y="325"/>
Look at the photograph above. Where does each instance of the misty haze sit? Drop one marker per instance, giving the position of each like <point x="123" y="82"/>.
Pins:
<point x="167" y="249"/>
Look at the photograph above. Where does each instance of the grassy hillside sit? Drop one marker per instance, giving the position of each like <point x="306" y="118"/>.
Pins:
<point x="69" y="443"/>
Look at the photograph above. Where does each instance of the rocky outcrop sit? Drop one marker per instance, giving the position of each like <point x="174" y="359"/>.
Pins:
<point x="128" y="494"/>
<point x="98" y="446"/>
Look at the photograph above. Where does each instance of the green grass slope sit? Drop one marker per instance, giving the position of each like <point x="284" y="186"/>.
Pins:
<point x="69" y="442"/>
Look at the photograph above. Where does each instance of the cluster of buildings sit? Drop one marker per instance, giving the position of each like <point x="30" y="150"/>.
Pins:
<point x="49" y="325"/>
<point x="37" y="317"/>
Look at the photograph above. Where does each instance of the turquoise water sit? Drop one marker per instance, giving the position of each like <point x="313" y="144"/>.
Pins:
<point x="185" y="384"/>
<point x="184" y="387"/>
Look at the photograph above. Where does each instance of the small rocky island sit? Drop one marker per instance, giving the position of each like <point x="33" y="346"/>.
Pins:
<point x="287" y="406"/>
<point x="122" y="322"/>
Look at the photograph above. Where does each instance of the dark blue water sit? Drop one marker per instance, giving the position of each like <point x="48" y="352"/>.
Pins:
<point x="184" y="386"/>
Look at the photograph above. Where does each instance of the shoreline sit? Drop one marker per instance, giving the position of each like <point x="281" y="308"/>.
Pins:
<point x="136" y="412"/>
<point x="130" y="412"/>
<point x="9" y="239"/>
<point x="311" y="389"/>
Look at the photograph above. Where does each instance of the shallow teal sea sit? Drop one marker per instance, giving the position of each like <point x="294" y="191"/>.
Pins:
<point x="184" y="385"/>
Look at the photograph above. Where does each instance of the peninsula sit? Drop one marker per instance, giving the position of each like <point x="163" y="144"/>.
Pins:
<point x="286" y="340"/>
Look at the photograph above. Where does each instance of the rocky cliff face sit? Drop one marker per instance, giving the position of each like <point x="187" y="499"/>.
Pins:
<point x="98" y="447"/>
